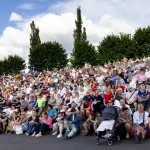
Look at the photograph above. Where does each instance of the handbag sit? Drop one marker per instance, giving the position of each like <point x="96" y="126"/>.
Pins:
<point x="141" y="99"/>
<point x="18" y="129"/>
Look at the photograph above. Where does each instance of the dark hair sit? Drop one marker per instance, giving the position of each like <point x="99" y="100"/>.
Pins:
<point x="140" y="103"/>
<point x="50" y="106"/>
<point x="45" y="113"/>
<point x="124" y="108"/>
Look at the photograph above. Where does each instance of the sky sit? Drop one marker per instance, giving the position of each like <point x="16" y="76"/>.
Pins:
<point x="56" y="21"/>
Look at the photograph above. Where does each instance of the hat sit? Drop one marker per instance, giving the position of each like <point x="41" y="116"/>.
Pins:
<point x="124" y="108"/>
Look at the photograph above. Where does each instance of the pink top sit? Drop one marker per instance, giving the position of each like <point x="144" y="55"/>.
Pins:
<point x="47" y="120"/>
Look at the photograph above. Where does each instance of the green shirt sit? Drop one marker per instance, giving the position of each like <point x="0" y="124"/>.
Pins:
<point x="40" y="102"/>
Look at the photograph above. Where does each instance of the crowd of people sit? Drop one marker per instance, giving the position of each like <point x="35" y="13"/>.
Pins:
<point x="69" y="101"/>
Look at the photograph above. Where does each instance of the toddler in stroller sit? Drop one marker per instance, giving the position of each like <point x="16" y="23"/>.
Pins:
<point x="108" y="127"/>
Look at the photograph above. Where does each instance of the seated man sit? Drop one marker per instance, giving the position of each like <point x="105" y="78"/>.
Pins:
<point x="72" y="124"/>
<point x="125" y="121"/>
<point x="90" y="125"/>
<point x="140" y="121"/>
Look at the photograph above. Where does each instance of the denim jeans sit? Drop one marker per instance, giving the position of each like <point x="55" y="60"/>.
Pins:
<point x="41" y="127"/>
<point x="71" y="129"/>
<point x="31" y="128"/>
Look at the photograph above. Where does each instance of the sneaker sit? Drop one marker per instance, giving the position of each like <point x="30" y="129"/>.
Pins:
<point x="55" y="133"/>
<point x="38" y="135"/>
<point x="27" y="134"/>
<point x="33" y="134"/>
<point x="59" y="136"/>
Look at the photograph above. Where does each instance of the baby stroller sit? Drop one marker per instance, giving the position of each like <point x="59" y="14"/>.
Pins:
<point x="108" y="130"/>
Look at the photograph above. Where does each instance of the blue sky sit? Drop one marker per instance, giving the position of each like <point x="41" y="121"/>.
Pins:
<point x="56" y="21"/>
<point x="25" y="8"/>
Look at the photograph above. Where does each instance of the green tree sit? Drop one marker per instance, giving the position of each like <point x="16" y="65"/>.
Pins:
<point x="34" y="38"/>
<point x="83" y="51"/>
<point x="84" y="36"/>
<point x="86" y="54"/>
<point x="141" y="42"/>
<point x="126" y="46"/>
<point x="78" y="31"/>
<point x="108" y="49"/>
<point x="115" y="47"/>
<point x="12" y="65"/>
<point x="48" y="55"/>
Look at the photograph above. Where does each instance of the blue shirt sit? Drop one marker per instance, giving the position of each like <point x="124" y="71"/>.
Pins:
<point x="52" y="112"/>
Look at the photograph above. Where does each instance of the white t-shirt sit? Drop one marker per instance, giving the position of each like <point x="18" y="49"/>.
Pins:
<point x="131" y="96"/>
<point x="138" y="117"/>
<point x="28" y="90"/>
<point x="7" y="111"/>
<point x="147" y="74"/>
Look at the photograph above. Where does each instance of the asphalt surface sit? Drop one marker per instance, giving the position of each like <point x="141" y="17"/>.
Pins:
<point x="48" y="142"/>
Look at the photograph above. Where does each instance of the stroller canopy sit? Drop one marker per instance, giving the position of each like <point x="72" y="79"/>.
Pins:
<point x="110" y="113"/>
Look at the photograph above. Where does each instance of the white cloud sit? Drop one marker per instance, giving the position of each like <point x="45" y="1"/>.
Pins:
<point x="15" y="17"/>
<point x="26" y="6"/>
<point x="103" y="18"/>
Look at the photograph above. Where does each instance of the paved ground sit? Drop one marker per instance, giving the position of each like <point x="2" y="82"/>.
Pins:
<point x="47" y="142"/>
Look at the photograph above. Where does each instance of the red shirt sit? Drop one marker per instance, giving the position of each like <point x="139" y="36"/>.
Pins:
<point x="108" y="97"/>
<point x="94" y="85"/>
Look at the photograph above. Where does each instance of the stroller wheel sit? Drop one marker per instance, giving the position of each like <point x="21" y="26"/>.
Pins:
<point x="98" y="141"/>
<point x="118" y="138"/>
<point x="110" y="142"/>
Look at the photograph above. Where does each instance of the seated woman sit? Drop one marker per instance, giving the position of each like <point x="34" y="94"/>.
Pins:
<point x="15" y="123"/>
<point x="125" y="121"/>
<point x="90" y="125"/>
<point x="58" y="125"/>
<point x="44" y="125"/>
<point x="85" y="110"/>
<point x="11" y="122"/>
<point x="33" y="122"/>
<point x="24" y="121"/>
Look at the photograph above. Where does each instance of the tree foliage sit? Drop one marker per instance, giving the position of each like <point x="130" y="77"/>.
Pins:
<point x="34" y="37"/>
<point x="83" y="51"/>
<point x="114" y="47"/>
<point x="12" y="65"/>
<point x="141" y="42"/>
<point x="48" y="56"/>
